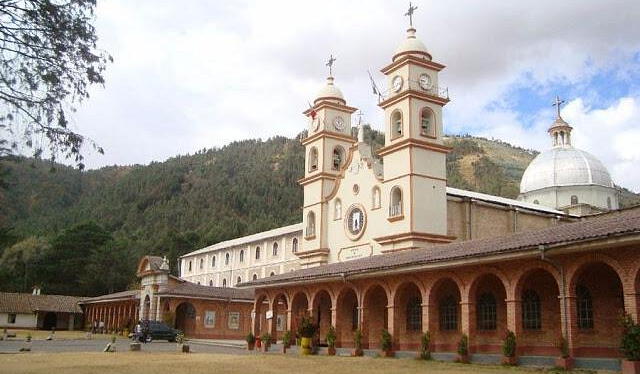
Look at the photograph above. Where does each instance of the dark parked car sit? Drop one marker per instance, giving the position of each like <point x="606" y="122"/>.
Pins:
<point x="160" y="331"/>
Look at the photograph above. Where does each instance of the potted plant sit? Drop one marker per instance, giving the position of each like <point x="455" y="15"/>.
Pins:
<point x="27" y="344"/>
<point x="307" y="331"/>
<point x="463" y="349"/>
<point x="181" y="343"/>
<point x="266" y="341"/>
<point x="386" y="342"/>
<point x="357" y="342"/>
<point x="509" y="349"/>
<point x="425" y="351"/>
<point x="630" y="346"/>
<point x="251" y="341"/>
<point x="564" y="361"/>
<point x="331" y="341"/>
<point x="286" y="341"/>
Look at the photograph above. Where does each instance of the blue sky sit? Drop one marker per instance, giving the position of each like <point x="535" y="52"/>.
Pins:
<point x="197" y="74"/>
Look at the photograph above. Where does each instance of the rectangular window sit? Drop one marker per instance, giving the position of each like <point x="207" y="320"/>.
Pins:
<point x="209" y="318"/>
<point x="11" y="318"/>
<point x="234" y="320"/>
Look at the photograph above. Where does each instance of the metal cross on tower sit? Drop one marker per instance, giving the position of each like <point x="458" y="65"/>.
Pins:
<point x="330" y="65"/>
<point x="410" y="13"/>
<point x="557" y="104"/>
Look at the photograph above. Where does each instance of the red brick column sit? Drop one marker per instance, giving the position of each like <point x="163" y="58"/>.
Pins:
<point x="568" y="315"/>
<point x="631" y="301"/>
<point x="391" y="323"/>
<point x="426" y="317"/>
<point x="467" y="321"/>
<point x="514" y="316"/>
<point x="334" y="315"/>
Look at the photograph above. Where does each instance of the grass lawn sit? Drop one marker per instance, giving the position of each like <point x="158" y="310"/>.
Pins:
<point x="59" y="335"/>
<point x="146" y="362"/>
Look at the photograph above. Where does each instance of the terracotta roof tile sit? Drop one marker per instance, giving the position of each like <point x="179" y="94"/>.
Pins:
<point x="29" y="303"/>
<point x="624" y="222"/>
<point x="131" y="294"/>
<point x="188" y="289"/>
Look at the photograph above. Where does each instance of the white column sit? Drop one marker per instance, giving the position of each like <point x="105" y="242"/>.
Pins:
<point x="158" y="309"/>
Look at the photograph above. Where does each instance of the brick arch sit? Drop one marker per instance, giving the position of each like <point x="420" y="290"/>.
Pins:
<point x="408" y="280"/>
<point x="408" y="321"/>
<point x="300" y="291"/>
<point x="518" y="279"/>
<point x="441" y="278"/>
<point x="345" y="309"/>
<point x="275" y="297"/>
<point x="372" y="285"/>
<point x="317" y="291"/>
<point x="260" y="323"/>
<point x="579" y="264"/>
<point x="489" y="270"/>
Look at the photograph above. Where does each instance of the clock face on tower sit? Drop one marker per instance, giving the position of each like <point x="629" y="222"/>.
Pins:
<point x="397" y="83"/>
<point x="338" y="123"/>
<point x="425" y="81"/>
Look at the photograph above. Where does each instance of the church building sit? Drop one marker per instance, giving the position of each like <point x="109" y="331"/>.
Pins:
<point x="385" y="244"/>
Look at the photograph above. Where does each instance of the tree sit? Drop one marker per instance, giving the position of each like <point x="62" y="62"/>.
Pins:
<point x="109" y="269"/>
<point x="48" y="60"/>
<point x="17" y="264"/>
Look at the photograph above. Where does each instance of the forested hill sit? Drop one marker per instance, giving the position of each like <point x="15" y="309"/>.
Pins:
<point x="183" y="203"/>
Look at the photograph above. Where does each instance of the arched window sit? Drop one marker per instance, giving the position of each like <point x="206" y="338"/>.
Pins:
<point x="448" y="310"/>
<point x="562" y="138"/>
<point x="427" y="123"/>
<point x="190" y="266"/>
<point x="337" y="209"/>
<point x="275" y="248"/>
<point x="584" y="307"/>
<point x="272" y="274"/>
<point x="238" y="280"/>
<point x="257" y="253"/>
<point x="486" y="312"/>
<point x="338" y="158"/>
<point x="414" y="315"/>
<point x="224" y="283"/>
<point x="574" y="199"/>
<point x="211" y="283"/>
<point x="313" y="159"/>
<point x="608" y="202"/>
<point x="311" y="225"/>
<point x="213" y="261"/>
<point x="201" y="263"/>
<point x="294" y="245"/>
<point x="395" y="209"/>
<point x="531" y="311"/>
<point x="242" y="255"/>
<point x="226" y="258"/>
<point x="255" y="276"/>
<point x="396" y="124"/>
<point x="375" y="197"/>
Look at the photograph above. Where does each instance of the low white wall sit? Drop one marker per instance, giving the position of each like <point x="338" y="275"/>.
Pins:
<point x="27" y="321"/>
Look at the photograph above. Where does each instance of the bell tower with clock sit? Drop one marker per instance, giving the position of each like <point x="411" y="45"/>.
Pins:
<point x="414" y="154"/>
<point x="326" y="148"/>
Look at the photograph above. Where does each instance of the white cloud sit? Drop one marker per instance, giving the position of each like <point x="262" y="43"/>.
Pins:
<point x="195" y="74"/>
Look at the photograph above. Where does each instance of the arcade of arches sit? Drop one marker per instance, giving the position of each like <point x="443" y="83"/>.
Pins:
<point x="533" y="298"/>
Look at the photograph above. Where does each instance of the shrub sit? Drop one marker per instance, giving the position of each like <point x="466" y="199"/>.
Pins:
<point x="307" y="328"/>
<point x="563" y="345"/>
<point x="357" y="339"/>
<point x="266" y="338"/>
<point x="251" y="339"/>
<point x="630" y="345"/>
<point x="180" y="338"/>
<point x="286" y="338"/>
<point x="509" y="345"/>
<point x="425" y="340"/>
<point x="463" y="345"/>
<point x="113" y="339"/>
<point x="386" y="341"/>
<point x="331" y="337"/>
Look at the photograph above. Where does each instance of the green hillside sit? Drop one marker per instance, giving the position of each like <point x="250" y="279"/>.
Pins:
<point x="180" y="204"/>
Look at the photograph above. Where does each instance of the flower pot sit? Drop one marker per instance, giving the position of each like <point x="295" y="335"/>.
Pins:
<point x="463" y="359"/>
<point x="357" y="352"/>
<point x="258" y="343"/>
<point x="265" y="347"/>
<point x="509" y="360"/>
<point x="565" y="363"/>
<point x="305" y="346"/>
<point x="424" y="355"/>
<point x="389" y="353"/>
<point x="184" y="348"/>
<point x="331" y="351"/>
<point x="630" y="367"/>
<point x="251" y="346"/>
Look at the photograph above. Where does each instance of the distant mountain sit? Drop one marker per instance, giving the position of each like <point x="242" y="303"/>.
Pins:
<point x="216" y="194"/>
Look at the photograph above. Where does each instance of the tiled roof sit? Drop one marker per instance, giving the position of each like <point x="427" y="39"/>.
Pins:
<point x="131" y="294"/>
<point x="29" y="303"/>
<point x="154" y="262"/>
<point x="188" y="289"/>
<point x="624" y="222"/>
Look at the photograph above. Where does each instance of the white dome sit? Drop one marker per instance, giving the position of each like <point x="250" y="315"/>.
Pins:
<point x="564" y="166"/>
<point x="329" y="91"/>
<point x="412" y="45"/>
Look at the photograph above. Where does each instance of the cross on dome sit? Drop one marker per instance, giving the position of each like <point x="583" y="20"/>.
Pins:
<point x="330" y="64"/>
<point x="557" y="104"/>
<point x="410" y="13"/>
